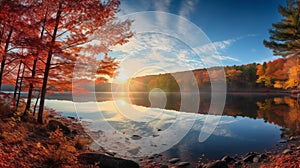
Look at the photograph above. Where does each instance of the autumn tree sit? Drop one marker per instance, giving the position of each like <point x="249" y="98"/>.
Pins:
<point x="71" y="31"/>
<point x="10" y="15"/>
<point x="285" y="35"/>
<point x="107" y="69"/>
<point x="36" y="20"/>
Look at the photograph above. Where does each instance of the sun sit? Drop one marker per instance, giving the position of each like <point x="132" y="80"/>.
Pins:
<point x="121" y="78"/>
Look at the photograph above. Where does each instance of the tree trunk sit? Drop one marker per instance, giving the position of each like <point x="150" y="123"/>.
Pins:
<point x="20" y="86"/>
<point x="36" y="102"/>
<point x="4" y="55"/>
<point x="16" y="85"/>
<point x="29" y="96"/>
<point x="48" y="64"/>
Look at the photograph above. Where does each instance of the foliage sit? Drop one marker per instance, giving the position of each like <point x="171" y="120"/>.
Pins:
<point x="281" y="73"/>
<point x="284" y="37"/>
<point x="107" y="68"/>
<point x="47" y="37"/>
<point x="284" y="41"/>
<point x="28" y="144"/>
<point x="238" y="77"/>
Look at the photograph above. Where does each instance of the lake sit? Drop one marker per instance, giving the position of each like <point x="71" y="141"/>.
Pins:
<point x="140" y="124"/>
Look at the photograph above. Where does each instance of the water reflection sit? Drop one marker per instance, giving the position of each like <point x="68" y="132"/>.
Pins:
<point x="250" y="122"/>
<point x="281" y="110"/>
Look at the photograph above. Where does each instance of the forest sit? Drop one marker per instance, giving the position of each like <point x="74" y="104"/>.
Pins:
<point x="280" y="74"/>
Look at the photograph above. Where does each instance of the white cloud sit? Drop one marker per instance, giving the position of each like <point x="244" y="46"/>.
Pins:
<point x="162" y="5"/>
<point x="222" y="45"/>
<point x="216" y="49"/>
<point x="229" y="58"/>
<point x="170" y="43"/>
<point x="187" y="7"/>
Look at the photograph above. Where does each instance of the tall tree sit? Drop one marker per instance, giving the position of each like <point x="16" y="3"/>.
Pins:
<point x="37" y="19"/>
<point x="72" y="28"/>
<point x="285" y="35"/>
<point x="10" y="16"/>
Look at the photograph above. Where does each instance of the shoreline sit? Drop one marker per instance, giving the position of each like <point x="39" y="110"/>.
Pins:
<point x="284" y="154"/>
<point x="250" y="159"/>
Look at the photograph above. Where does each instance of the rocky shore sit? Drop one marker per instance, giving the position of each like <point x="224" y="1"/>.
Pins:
<point x="285" y="154"/>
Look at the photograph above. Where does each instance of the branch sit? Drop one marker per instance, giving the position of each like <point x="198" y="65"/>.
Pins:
<point x="12" y="60"/>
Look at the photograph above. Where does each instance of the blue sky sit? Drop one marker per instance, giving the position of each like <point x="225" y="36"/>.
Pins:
<point x="236" y="28"/>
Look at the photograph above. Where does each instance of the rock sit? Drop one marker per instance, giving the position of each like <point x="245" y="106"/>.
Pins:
<point x="42" y="132"/>
<point x="110" y="153"/>
<point x="72" y="118"/>
<point x="216" y="164"/>
<point x="238" y="163"/>
<point x="183" y="164"/>
<point x="155" y="135"/>
<point x="54" y="124"/>
<point x="259" y="158"/>
<point x="164" y="166"/>
<point x="263" y="156"/>
<point x="105" y="161"/>
<point x="287" y="151"/>
<point x="249" y="157"/>
<point x="174" y="160"/>
<point x="283" y="141"/>
<point x="292" y="138"/>
<point x="74" y="132"/>
<point x="136" y="137"/>
<point x="228" y="159"/>
<point x="256" y="159"/>
<point x="157" y="155"/>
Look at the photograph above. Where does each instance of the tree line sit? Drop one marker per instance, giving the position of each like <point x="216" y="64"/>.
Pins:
<point x="281" y="73"/>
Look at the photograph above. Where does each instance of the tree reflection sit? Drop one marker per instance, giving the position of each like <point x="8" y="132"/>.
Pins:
<point x="282" y="111"/>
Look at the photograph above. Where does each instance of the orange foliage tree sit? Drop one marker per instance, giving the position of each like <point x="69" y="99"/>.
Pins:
<point x="60" y="32"/>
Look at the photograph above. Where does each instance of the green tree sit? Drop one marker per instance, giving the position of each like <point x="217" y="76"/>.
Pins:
<point x="285" y="35"/>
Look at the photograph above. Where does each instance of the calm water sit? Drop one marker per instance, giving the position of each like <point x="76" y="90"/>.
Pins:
<point x="140" y="124"/>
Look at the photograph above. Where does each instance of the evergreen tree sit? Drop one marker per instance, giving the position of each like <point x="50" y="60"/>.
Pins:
<point x="285" y="35"/>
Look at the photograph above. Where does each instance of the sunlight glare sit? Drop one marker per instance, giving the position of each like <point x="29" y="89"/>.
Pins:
<point x="122" y="78"/>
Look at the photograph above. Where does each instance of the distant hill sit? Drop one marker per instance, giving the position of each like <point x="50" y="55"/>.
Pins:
<point x="273" y="76"/>
<point x="238" y="78"/>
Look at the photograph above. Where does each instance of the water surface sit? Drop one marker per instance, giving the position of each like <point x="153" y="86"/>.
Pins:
<point x="134" y="125"/>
